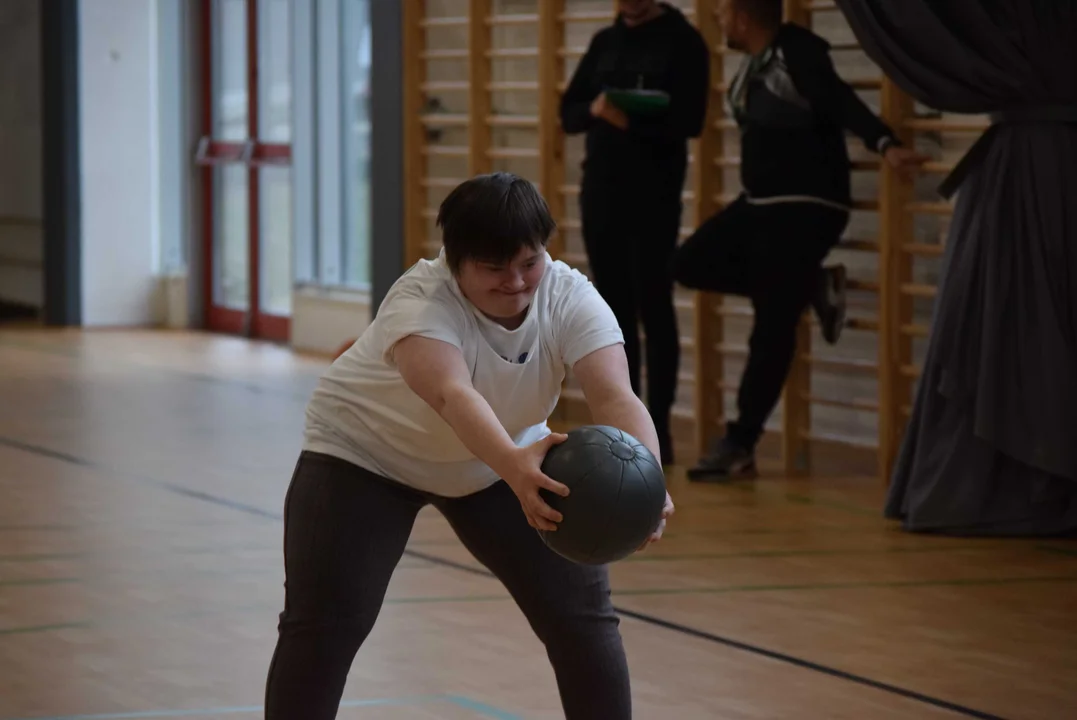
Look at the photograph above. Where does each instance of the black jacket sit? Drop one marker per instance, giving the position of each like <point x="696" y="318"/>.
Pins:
<point x="793" y="110"/>
<point x="667" y="53"/>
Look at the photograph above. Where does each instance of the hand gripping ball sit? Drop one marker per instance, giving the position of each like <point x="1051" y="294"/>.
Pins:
<point x="616" y="494"/>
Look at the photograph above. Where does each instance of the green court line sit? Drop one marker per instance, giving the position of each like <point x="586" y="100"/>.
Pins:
<point x="680" y="557"/>
<point x="651" y="557"/>
<point x="655" y="556"/>
<point x="832" y="505"/>
<point x="476" y="706"/>
<point x="764" y="487"/>
<point x="1068" y="551"/>
<point x="967" y="582"/>
<point x="44" y="628"/>
<point x="729" y="589"/>
<point x="777" y="587"/>
<point x="844" y="530"/>
<point x="113" y="574"/>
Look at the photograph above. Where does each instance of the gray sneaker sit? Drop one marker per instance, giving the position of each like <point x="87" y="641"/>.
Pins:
<point x="728" y="461"/>
<point x="829" y="301"/>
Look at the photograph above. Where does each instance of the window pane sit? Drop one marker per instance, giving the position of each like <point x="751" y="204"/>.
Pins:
<point x="355" y="131"/>
<point x="231" y="233"/>
<point x="275" y="226"/>
<point x="230" y="182"/>
<point x="275" y="71"/>
<point x="173" y="168"/>
<point x="230" y="71"/>
<point x="275" y="229"/>
<point x="304" y="149"/>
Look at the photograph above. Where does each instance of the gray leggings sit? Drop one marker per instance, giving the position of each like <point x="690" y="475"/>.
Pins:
<point x="345" y="530"/>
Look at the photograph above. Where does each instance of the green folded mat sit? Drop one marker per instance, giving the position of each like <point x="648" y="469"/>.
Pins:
<point x="639" y="101"/>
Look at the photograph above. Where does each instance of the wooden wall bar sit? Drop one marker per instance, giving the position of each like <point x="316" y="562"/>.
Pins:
<point x="484" y="82"/>
<point x="797" y="398"/>
<point x="709" y="362"/>
<point x="551" y="69"/>
<point x="895" y="272"/>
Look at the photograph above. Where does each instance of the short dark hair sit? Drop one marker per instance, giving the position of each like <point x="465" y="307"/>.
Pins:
<point x="490" y="218"/>
<point x="765" y="12"/>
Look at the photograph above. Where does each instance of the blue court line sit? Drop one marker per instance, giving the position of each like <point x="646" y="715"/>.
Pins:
<point x="481" y="708"/>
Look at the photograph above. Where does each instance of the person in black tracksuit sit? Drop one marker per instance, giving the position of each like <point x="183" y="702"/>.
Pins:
<point x="768" y="245"/>
<point x="633" y="178"/>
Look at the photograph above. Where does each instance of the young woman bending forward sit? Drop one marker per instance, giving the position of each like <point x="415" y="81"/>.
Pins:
<point x="444" y="400"/>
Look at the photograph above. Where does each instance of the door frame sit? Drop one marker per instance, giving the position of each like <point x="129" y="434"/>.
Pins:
<point x="254" y="154"/>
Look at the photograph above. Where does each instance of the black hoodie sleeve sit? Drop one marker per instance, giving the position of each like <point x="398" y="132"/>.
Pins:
<point x="688" y="97"/>
<point x="576" y="101"/>
<point x="815" y="76"/>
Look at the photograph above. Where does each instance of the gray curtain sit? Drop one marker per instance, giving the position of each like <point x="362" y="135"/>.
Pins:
<point x="991" y="447"/>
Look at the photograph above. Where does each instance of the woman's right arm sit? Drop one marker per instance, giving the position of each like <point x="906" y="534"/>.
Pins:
<point x="576" y="101"/>
<point x="437" y="373"/>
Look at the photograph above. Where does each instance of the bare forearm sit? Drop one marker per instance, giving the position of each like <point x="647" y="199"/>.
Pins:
<point x="474" y="422"/>
<point x="630" y="415"/>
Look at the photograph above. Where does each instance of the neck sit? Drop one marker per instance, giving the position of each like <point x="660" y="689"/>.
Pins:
<point x="651" y="14"/>
<point x="759" y="40"/>
<point x="510" y="323"/>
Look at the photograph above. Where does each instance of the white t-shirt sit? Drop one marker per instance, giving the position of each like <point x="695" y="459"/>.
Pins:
<point x="362" y="411"/>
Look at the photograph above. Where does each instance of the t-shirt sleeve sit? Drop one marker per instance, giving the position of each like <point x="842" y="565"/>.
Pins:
<point x="413" y="311"/>
<point x="585" y="323"/>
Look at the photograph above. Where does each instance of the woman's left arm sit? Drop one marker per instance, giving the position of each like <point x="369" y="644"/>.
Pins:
<point x="603" y="375"/>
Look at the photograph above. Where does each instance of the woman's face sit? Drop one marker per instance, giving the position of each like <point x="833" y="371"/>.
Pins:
<point x="503" y="292"/>
<point x="636" y="12"/>
<point x="734" y="24"/>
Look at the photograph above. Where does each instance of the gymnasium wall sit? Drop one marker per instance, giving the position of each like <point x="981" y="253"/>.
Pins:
<point x="134" y="158"/>
<point x="21" y="275"/>
<point x="118" y="142"/>
<point x="479" y="90"/>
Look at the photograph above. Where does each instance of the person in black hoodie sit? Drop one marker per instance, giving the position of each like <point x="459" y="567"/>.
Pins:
<point x="633" y="178"/>
<point x="770" y="243"/>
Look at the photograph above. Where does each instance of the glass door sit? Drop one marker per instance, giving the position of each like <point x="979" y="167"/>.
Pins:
<point x="246" y="154"/>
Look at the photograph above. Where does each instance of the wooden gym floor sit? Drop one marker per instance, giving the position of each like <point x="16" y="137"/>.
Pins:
<point x="141" y="483"/>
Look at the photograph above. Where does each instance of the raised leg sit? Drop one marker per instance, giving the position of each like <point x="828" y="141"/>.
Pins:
<point x="770" y="253"/>
<point x="723" y="255"/>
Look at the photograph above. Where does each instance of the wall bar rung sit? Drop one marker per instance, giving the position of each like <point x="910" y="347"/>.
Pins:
<point x="443" y="22"/>
<point x="585" y="17"/>
<point x="450" y="54"/>
<point x="520" y="19"/>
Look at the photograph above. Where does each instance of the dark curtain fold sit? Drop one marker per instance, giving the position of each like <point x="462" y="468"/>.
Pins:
<point x="991" y="447"/>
